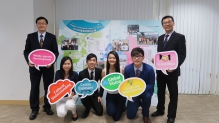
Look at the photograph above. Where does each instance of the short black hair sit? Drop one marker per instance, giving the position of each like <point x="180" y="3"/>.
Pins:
<point x="91" y="55"/>
<point x="136" y="51"/>
<point x="165" y="17"/>
<point x="40" y="18"/>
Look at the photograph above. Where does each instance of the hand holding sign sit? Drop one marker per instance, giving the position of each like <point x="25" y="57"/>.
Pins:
<point x="59" y="89"/>
<point x="132" y="87"/>
<point x="86" y="87"/>
<point x="112" y="81"/>
<point x="41" y="57"/>
<point x="166" y="60"/>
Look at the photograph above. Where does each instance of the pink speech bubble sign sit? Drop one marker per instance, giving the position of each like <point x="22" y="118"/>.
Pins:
<point x="171" y="63"/>
<point x="41" y="57"/>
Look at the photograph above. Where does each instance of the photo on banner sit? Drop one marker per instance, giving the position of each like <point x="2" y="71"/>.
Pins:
<point x="102" y="36"/>
<point x="147" y="38"/>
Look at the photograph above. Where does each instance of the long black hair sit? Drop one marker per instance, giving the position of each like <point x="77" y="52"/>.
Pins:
<point x="62" y="71"/>
<point x="117" y="65"/>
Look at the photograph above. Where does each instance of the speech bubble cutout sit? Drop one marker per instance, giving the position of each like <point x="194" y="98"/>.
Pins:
<point x="112" y="81"/>
<point x="132" y="87"/>
<point x="59" y="89"/>
<point x="86" y="87"/>
<point x="166" y="60"/>
<point x="41" y="57"/>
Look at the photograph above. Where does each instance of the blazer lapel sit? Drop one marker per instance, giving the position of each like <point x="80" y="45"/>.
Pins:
<point x="132" y="69"/>
<point x="87" y="75"/>
<point x="45" y="40"/>
<point x="170" y="40"/>
<point x="96" y="74"/>
<point x="37" y="40"/>
<point x="161" y="46"/>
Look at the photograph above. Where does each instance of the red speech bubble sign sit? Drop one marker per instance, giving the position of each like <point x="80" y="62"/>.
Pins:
<point x="59" y="89"/>
<point x="41" y="57"/>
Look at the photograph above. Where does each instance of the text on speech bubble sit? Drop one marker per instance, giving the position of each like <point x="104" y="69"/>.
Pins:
<point x="132" y="87"/>
<point x="86" y="87"/>
<point x="59" y="89"/>
<point x="41" y="57"/>
<point x="112" y="81"/>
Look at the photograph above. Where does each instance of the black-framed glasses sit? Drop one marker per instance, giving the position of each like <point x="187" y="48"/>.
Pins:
<point x="138" y="56"/>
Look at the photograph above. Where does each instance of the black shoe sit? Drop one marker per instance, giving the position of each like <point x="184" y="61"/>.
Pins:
<point x="75" y="118"/>
<point x="85" y="114"/>
<point x="48" y="111"/>
<point x="157" y="113"/>
<point x="33" y="115"/>
<point x="170" y="120"/>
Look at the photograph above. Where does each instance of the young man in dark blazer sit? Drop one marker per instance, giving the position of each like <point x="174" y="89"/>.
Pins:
<point x="95" y="100"/>
<point x="146" y="72"/>
<point x="170" y="41"/>
<point x="40" y="40"/>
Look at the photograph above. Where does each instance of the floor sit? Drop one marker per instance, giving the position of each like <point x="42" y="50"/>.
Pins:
<point x="191" y="109"/>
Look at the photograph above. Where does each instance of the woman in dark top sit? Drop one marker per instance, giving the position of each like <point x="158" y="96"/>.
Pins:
<point x="115" y="103"/>
<point x="67" y="102"/>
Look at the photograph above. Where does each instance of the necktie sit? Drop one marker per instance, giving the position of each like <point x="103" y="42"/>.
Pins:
<point x="137" y="72"/>
<point x="41" y="41"/>
<point x="165" y="41"/>
<point x="91" y="75"/>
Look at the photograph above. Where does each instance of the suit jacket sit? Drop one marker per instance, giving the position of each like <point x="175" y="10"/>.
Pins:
<point x="147" y="74"/>
<point x="32" y="43"/>
<point x="176" y="43"/>
<point x="85" y="74"/>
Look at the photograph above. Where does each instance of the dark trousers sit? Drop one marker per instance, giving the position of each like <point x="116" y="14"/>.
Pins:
<point x="132" y="107"/>
<point x="115" y="105"/>
<point x="92" y="102"/>
<point x="35" y="85"/>
<point x="171" y="81"/>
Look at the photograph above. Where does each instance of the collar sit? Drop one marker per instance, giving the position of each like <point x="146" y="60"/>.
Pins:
<point x="89" y="71"/>
<point x="169" y="34"/>
<point x="41" y="34"/>
<point x="141" y="68"/>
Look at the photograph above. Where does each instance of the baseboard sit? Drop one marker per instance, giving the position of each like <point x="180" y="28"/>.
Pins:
<point x="17" y="102"/>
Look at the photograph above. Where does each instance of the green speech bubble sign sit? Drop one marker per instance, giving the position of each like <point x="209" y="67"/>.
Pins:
<point x="112" y="81"/>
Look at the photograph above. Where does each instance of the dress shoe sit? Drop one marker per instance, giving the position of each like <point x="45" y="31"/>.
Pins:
<point x="75" y="118"/>
<point x="33" y="115"/>
<point x="170" y="120"/>
<point x="85" y="114"/>
<point x="157" y="113"/>
<point x="48" y="111"/>
<point x="146" y="120"/>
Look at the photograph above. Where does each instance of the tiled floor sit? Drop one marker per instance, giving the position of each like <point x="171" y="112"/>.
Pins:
<point x="191" y="109"/>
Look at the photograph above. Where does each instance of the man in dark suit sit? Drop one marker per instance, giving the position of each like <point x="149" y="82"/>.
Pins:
<point x="170" y="41"/>
<point x="40" y="40"/>
<point x="95" y="100"/>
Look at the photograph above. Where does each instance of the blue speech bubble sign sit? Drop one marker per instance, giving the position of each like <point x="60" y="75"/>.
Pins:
<point x="86" y="87"/>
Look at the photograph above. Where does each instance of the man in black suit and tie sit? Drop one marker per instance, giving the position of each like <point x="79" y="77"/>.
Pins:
<point x="93" y="101"/>
<point x="170" y="41"/>
<point x="40" y="40"/>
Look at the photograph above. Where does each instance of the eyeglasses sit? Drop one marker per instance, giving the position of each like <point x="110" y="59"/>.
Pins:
<point x="135" y="57"/>
<point x="41" y="24"/>
<point x="168" y="22"/>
